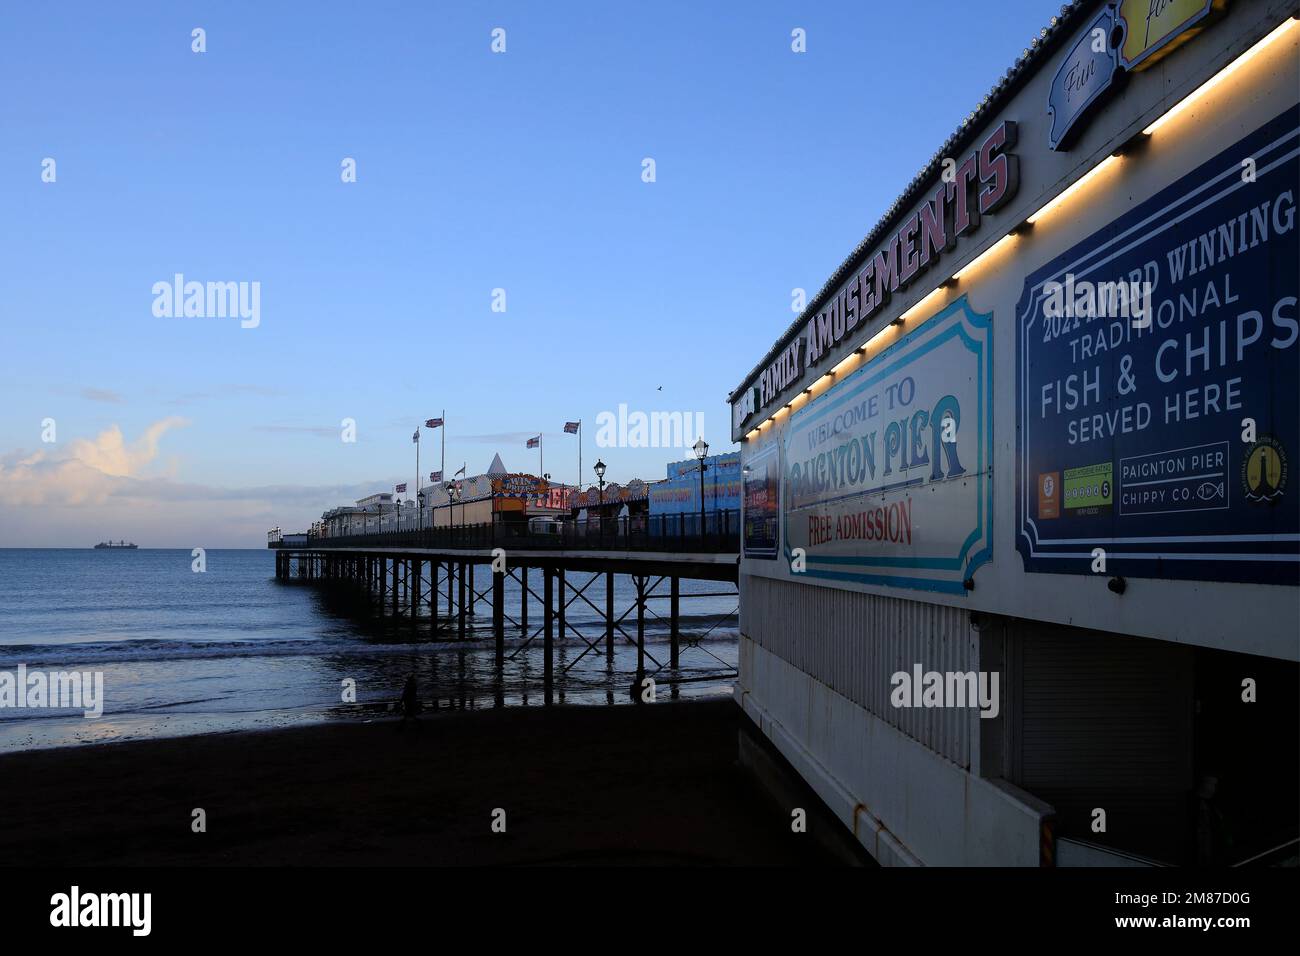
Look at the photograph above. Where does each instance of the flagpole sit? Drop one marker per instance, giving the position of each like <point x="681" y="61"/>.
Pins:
<point x="541" y="463"/>
<point x="419" y="518"/>
<point x="444" y="445"/>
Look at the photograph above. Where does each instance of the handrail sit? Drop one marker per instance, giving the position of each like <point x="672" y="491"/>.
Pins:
<point x="671" y="532"/>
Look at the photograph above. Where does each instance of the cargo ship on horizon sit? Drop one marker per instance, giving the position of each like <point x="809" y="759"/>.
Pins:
<point x="121" y="545"/>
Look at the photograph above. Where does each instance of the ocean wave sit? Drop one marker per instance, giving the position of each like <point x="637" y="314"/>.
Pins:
<point x="140" y="651"/>
<point x="83" y="654"/>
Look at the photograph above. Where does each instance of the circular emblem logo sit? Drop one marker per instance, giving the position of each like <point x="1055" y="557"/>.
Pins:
<point x="1049" y="485"/>
<point x="1264" y="472"/>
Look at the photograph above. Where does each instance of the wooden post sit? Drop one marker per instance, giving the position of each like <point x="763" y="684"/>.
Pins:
<point x="674" y="631"/>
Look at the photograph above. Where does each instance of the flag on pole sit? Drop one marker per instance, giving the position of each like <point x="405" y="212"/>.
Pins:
<point x="462" y="470"/>
<point x="534" y="442"/>
<point x="433" y="423"/>
<point x="435" y="476"/>
<point x="416" y="436"/>
<point x="575" y="428"/>
<point x="401" y="489"/>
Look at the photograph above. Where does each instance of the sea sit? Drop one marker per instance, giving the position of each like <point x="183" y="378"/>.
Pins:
<point x="230" y="648"/>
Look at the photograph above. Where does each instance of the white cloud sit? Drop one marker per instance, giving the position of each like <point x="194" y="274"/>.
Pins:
<point x="85" y="471"/>
<point x="89" y="489"/>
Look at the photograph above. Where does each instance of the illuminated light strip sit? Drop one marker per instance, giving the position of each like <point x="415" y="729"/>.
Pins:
<point x="1070" y="190"/>
<point x="1281" y="30"/>
<point x="921" y="306"/>
<point x="993" y="248"/>
<point x="872" y="341"/>
<point x="843" y="363"/>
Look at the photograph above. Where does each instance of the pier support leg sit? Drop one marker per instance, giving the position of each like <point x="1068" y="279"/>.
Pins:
<point x="417" y="568"/>
<point x="460" y="587"/>
<point x="548" y="641"/>
<point x="674" y="630"/>
<point x="560" y="579"/>
<point x="451" y="579"/>
<point x="523" y="601"/>
<point x="472" y="596"/>
<point x="640" y="636"/>
<point x="499" y="616"/>
<point x="394" y="587"/>
<point x="435" y="568"/>
<point x="609" y="616"/>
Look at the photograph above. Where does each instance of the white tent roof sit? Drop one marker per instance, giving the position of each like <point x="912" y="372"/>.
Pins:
<point x="496" y="469"/>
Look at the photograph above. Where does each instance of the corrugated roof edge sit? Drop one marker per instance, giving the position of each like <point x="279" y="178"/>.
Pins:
<point x="1040" y="47"/>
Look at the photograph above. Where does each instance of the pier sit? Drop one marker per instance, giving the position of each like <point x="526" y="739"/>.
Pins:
<point x="436" y="578"/>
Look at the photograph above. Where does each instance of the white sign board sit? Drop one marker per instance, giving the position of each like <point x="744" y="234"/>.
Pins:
<point x="887" y="476"/>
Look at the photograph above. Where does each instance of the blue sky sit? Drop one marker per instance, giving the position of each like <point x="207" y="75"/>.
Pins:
<point x="476" y="171"/>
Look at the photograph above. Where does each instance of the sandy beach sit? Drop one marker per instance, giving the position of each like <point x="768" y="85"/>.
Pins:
<point x="579" y="785"/>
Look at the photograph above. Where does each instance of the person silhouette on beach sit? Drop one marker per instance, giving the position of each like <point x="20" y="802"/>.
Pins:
<point x="410" y="703"/>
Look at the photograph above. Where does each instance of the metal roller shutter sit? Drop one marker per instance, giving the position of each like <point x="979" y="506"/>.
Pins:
<point x="1103" y="721"/>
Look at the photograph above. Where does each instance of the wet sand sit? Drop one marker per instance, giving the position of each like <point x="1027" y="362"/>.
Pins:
<point x="655" y="784"/>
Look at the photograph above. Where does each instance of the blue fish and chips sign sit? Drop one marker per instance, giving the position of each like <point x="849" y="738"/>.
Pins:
<point x="1167" y="436"/>
<point x="888" y="474"/>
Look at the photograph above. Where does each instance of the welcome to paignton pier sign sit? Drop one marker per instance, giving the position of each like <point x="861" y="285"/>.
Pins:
<point x="888" y="474"/>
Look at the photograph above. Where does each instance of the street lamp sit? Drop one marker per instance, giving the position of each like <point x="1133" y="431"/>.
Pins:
<point x="453" y="493"/>
<point x="420" y="514"/>
<point x="599" y="469"/>
<point x="701" y="450"/>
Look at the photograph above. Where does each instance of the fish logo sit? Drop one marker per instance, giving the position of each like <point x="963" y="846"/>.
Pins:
<point x="1210" y="490"/>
